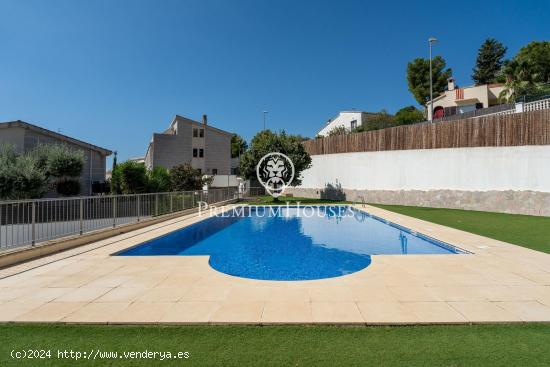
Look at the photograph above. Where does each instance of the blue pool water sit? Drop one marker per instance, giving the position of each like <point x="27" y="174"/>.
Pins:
<point x="290" y="243"/>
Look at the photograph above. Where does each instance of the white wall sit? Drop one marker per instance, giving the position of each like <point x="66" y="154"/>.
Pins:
<point x="467" y="169"/>
<point x="224" y="181"/>
<point x="343" y="119"/>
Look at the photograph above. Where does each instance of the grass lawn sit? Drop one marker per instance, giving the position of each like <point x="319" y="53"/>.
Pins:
<point x="523" y="230"/>
<point x="485" y="345"/>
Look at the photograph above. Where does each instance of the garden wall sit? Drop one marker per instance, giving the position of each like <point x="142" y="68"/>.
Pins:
<point x="510" y="179"/>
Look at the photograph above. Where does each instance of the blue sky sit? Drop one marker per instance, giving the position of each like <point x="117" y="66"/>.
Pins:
<point x="113" y="72"/>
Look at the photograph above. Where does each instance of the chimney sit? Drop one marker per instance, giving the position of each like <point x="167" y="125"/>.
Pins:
<point x="451" y="84"/>
<point x="204" y="120"/>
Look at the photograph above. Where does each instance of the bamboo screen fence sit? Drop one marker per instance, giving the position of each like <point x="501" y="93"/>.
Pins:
<point x="528" y="128"/>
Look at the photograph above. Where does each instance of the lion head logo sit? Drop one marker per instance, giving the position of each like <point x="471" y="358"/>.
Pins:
<point x="275" y="172"/>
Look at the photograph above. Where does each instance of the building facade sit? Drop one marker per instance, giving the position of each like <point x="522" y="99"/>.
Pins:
<point x="457" y="100"/>
<point x="24" y="137"/>
<point x="347" y="119"/>
<point x="203" y="146"/>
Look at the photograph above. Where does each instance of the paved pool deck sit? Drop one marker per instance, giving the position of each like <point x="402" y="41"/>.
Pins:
<point x="498" y="282"/>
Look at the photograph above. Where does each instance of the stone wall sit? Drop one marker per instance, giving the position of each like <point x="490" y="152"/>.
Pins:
<point x="515" y="202"/>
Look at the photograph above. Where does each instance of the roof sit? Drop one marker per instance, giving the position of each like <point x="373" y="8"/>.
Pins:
<point x="53" y="134"/>
<point x="341" y="112"/>
<point x="182" y="118"/>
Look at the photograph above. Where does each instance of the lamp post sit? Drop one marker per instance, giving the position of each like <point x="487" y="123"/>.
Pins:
<point x="431" y="41"/>
<point x="265" y="116"/>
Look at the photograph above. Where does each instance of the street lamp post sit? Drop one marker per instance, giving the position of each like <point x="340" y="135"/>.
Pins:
<point x="431" y="41"/>
<point x="265" y="116"/>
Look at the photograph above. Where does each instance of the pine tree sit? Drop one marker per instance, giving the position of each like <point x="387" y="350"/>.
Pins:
<point x="489" y="62"/>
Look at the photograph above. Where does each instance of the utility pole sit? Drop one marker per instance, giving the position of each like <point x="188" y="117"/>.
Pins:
<point x="431" y="41"/>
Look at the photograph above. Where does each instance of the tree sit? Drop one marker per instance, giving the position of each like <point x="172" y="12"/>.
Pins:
<point x="238" y="146"/>
<point x="409" y="115"/>
<point x="129" y="178"/>
<point x="338" y="130"/>
<point x="185" y="178"/>
<point x="63" y="165"/>
<point x="158" y="180"/>
<point x="30" y="175"/>
<point x="268" y="142"/>
<point x="376" y="121"/>
<point x="489" y="62"/>
<point x="528" y="72"/>
<point x="20" y="176"/>
<point x="418" y="78"/>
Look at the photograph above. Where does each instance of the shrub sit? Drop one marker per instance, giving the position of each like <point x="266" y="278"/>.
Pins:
<point x="20" y="176"/>
<point x="408" y="115"/>
<point x="184" y="177"/>
<point x="158" y="180"/>
<point x="65" y="162"/>
<point x="129" y="178"/>
<point x="338" y="130"/>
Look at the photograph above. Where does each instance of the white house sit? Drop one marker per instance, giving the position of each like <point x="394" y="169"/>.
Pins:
<point x="457" y="100"/>
<point x="348" y="119"/>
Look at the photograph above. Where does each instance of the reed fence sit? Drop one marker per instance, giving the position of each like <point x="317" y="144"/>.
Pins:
<point x="528" y="128"/>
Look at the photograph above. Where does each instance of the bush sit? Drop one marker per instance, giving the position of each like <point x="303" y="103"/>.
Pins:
<point x="30" y="181"/>
<point x="380" y="120"/>
<point x="20" y="176"/>
<point x="338" y="130"/>
<point x="184" y="177"/>
<point x="68" y="187"/>
<point x="409" y="115"/>
<point x="129" y="178"/>
<point x="158" y="180"/>
<point x="65" y="162"/>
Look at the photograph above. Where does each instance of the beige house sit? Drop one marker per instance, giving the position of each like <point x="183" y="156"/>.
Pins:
<point x="24" y="137"/>
<point x="457" y="100"/>
<point x="187" y="141"/>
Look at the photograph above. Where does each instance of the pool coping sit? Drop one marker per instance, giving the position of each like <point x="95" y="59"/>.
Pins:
<point x="497" y="283"/>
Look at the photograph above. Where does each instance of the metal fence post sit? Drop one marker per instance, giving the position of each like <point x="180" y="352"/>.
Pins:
<point x="81" y="209"/>
<point x="114" y="211"/>
<point x="183" y="201"/>
<point x="156" y="204"/>
<point x="138" y="208"/>
<point x="171" y="202"/>
<point x="33" y="214"/>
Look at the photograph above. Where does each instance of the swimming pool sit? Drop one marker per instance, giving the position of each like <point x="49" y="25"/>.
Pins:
<point x="291" y="243"/>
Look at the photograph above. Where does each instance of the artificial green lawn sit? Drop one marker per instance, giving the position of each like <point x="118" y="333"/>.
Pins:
<point x="464" y="345"/>
<point x="523" y="230"/>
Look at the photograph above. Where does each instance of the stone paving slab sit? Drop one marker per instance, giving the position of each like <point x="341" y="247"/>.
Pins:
<point x="497" y="282"/>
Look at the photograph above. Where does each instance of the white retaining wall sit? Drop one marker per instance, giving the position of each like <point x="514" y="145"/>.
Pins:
<point x="471" y="169"/>
<point x="439" y="177"/>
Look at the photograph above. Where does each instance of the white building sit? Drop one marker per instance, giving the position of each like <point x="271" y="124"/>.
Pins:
<point x="348" y="119"/>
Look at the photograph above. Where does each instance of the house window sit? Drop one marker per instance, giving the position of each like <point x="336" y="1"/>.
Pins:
<point x="354" y="124"/>
<point x="201" y="133"/>
<point x="201" y="153"/>
<point x="195" y="152"/>
<point x="195" y="133"/>
<point x="214" y="171"/>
